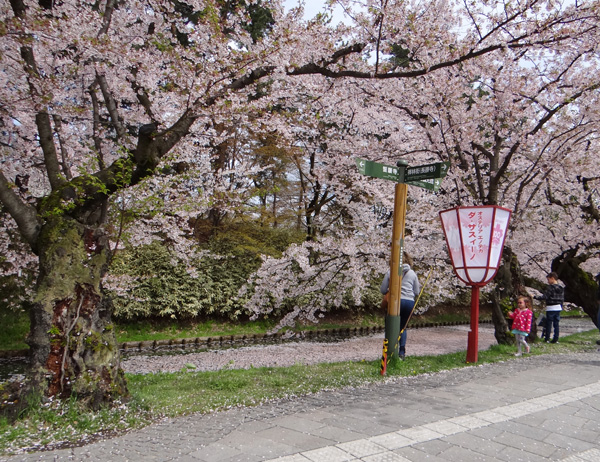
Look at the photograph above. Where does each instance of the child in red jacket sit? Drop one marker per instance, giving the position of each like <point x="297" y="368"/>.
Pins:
<point x="522" y="322"/>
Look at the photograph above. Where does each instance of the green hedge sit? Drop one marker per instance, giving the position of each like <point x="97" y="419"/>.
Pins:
<point x="162" y="286"/>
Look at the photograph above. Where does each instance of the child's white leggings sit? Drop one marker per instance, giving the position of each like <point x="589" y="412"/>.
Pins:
<point x="521" y="342"/>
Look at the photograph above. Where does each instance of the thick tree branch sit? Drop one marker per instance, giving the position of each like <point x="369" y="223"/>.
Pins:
<point x="144" y="100"/>
<point x="63" y="151"/>
<point x="311" y="68"/>
<point x="106" y="18"/>
<point x="322" y="68"/>
<point x="380" y="18"/>
<point x="96" y="126"/>
<point x="552" y="112"/>
<point x="153" y="145"/>
<point x="550" y="196"/>
<point x="24" y="215"/>
<point x="111" y="106"/>
<point x="18" y="7"/>
<point x="42" y="120"/>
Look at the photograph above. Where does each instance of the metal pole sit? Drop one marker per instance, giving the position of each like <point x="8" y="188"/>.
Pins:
<point x="473" y="340"/>
<point x="392" y="320"/>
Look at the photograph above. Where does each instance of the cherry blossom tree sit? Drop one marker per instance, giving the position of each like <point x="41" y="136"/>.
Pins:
<point x="109" y="103"/>
<point x="515" y="126"/>
<point x="99" y="101"/>
<point x="522" y="134"/>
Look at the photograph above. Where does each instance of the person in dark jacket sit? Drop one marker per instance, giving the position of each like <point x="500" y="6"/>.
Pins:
<point x="554" y="296"/>
<point x="409" y="291"/>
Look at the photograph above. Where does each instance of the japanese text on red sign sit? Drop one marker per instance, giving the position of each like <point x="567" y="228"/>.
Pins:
<point x="475" y="238"/>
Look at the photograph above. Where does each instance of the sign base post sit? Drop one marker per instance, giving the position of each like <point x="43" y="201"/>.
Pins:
<point x="392" y="320"/>
<point x="473" y="338"/>
<point x="390" y="342"/>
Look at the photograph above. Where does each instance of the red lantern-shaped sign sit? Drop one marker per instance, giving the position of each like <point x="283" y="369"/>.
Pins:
<point x="475" y="238"/>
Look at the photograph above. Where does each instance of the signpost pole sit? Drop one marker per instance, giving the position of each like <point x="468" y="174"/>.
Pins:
<point x="427" y="176"/>
<point x="392" y="320"/>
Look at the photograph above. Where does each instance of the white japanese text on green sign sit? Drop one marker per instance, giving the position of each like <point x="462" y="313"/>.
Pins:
<point x="377" y="170"/>
<point x="427" y="176"/>
<point x="426" y="172"/>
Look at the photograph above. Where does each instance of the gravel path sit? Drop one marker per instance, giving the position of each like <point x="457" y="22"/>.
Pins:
<point x="424" y="341"/>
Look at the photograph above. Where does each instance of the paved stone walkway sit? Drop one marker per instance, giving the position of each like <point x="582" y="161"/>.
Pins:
<point x="536" y="408"/>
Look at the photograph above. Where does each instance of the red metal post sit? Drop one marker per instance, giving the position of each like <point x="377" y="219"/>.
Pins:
<point x="473" y="340"/>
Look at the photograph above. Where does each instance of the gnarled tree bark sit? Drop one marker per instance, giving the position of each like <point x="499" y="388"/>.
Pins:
<point x="74" y="349"/>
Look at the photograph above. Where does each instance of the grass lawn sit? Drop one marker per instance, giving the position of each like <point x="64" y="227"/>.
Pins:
<point x="15" y="327"/>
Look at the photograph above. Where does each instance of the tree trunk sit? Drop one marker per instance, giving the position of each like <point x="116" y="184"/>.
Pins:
<point x="499" y="320"/>
<point x="580" y="287"/>
<point x="72" y="339"/>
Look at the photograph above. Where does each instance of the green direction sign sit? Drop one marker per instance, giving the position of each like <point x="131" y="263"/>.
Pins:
<point x="377" y="170"/>
<point x="427" y="176"/>
<point x="426" y="172"/>
<point x="432" y="184"/>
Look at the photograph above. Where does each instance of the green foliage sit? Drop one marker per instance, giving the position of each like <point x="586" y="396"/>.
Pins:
<point x="506" y="304"/>
<point x="73" y="194"/>
<point x="261" y="21"/>
<point x="164" y="329"/>
<point x="174" y="394"/>
<point x="161" y="286"/>
<point x="400" y="56"/>
<point x="54" y="330"/>
<point x="123" y="172"/>
<point x="255" y="239"/>
<point x="261" y="18"/>
<point x="15" y="327"/>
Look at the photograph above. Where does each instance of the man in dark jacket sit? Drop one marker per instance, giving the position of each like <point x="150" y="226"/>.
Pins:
<point x="554" y="296"/>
